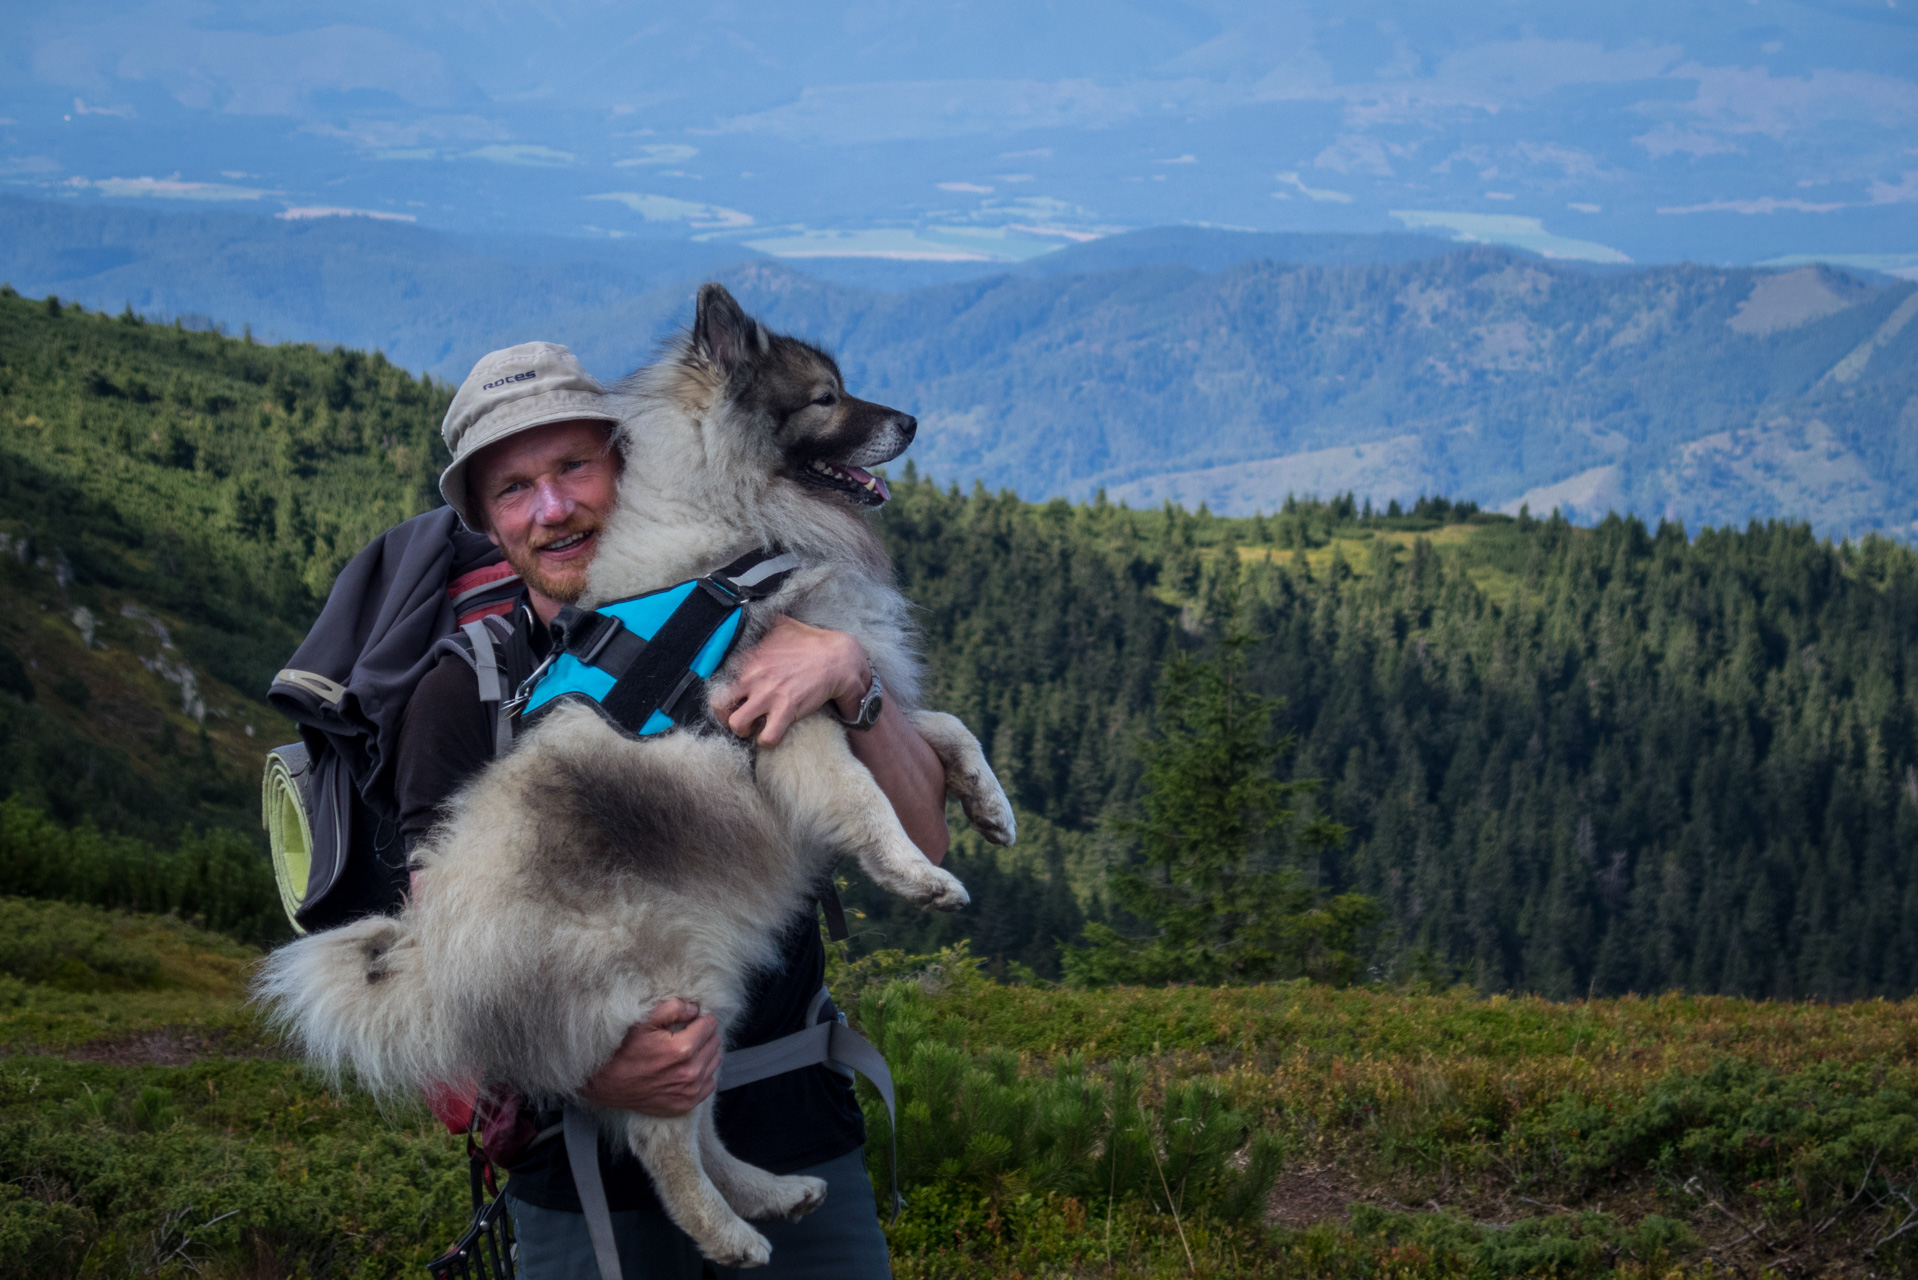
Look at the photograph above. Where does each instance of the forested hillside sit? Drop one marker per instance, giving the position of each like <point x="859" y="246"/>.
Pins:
<point x="1572" y="760"/>
<point x="175" y="507"/>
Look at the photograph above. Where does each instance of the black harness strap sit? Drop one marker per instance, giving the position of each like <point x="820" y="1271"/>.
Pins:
<point x="834" y="910"/>
<point x="642" y="690"/>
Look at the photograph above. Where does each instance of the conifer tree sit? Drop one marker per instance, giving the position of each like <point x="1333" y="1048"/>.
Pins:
<point x="1217" y="879"/>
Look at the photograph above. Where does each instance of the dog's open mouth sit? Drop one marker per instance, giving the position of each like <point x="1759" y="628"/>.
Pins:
<point x="857" y="483"/>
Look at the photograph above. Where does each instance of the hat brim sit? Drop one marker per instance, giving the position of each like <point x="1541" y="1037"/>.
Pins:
<point x="543" y="411"/>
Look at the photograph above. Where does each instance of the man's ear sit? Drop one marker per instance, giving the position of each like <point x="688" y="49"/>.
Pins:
<point x="723" y="331"/>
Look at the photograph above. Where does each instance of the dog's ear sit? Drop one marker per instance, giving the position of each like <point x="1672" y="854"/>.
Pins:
<point x="724" y="332"/>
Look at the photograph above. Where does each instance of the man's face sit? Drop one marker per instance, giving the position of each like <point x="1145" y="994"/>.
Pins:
<point x="545" y="494"/>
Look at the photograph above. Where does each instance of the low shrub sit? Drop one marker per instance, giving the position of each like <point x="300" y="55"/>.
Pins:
<point x="1100" y="1134"/>
<point x="1561" y="1247"/>
<point x="71" y="949"/>
<point x="1123" y="1132"/>
<point x="235" y="1167"/>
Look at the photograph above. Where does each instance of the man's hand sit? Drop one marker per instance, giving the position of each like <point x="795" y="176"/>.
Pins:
<point x="792" y="672"/>
<point x="666" y="1066"/>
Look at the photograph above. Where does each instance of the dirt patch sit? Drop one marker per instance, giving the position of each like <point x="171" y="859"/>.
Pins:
<point x="1305" y="1197"/>
<point x="168" y="1047"/>
<point x="1313" y="1194"/>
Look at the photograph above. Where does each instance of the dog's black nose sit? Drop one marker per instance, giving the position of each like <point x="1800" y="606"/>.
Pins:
<point x="907" y="424"/>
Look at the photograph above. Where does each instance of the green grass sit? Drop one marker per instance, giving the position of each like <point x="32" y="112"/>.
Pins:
<point x="75" y="975"/>
<point x="147" y="1127"/>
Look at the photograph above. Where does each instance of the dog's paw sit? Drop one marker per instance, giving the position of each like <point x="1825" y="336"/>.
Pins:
<point x="940" y="890"/>
<point x="801" y="1196"/>
<point x="990" y="814"/>
<point x="739" y="1246"/>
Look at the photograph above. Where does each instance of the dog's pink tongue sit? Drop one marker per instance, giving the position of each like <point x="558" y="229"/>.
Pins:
<point x="878" y="482"/>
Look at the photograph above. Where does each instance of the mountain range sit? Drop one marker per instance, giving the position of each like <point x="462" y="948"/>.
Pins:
<point x="1184" y="364"/>
<point x="1708" y="395"/>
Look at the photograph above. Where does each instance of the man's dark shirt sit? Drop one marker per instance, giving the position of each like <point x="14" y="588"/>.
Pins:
<point x="786" y="1123"/>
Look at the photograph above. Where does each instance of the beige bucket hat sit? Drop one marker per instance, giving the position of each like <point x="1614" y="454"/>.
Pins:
<point x="531" y="385"/>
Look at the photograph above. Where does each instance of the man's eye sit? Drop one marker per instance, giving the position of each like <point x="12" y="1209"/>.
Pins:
<point x="826" y="401"/>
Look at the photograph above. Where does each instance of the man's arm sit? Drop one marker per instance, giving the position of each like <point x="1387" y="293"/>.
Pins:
<point x="794" y="671"/>
<point x="911" y="776"/>
<point x="445" y="738"/>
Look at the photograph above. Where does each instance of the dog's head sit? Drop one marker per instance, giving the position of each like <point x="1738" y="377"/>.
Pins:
<point x="789" y="395"/>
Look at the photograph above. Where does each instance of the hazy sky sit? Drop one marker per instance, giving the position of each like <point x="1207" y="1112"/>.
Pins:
<point x="1726" y="131"/>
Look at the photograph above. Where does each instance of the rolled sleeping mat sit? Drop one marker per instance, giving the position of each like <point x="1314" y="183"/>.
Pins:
<point x="285" y="803"/>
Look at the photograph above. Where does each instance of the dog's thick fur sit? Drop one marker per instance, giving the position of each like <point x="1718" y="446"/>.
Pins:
<point x="587" y="876"/>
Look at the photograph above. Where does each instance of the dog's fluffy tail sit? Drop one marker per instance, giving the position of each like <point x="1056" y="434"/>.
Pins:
<point x="355" y="997"/>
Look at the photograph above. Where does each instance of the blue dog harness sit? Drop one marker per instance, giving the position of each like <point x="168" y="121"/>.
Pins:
<point x="635" y="660"/>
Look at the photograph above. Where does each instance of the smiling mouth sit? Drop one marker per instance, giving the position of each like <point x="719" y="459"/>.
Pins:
<point x="855" y="482"/>
<point x="567" y="543"/>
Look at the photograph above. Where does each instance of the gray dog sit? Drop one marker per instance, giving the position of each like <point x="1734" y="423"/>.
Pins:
<point x="587" y="876"/>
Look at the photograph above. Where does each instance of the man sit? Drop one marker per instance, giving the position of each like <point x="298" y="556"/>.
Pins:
<point x="534" y="468"/>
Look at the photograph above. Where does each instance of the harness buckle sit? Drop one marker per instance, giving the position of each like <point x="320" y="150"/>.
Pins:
<point x="523" y="694"/>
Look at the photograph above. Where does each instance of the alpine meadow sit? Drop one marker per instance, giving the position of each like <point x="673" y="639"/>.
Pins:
<point x="1417" y="892"/>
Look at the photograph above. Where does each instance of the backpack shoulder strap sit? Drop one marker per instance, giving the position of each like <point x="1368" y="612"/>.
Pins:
<point x="492" y="682"/>
<point x="487" y="645"/>
<point x="833" y="909"/>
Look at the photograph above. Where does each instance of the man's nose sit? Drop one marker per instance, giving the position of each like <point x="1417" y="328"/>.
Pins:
<point x="550" y="505"/>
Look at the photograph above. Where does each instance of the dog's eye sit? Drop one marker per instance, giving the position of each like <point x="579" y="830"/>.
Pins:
<point x="826" y="401"/>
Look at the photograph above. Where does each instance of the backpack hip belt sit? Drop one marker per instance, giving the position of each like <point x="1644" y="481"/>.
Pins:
<point x="826" y="1041"/>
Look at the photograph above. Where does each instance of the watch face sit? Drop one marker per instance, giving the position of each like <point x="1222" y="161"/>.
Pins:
<point x="870" y="706"/>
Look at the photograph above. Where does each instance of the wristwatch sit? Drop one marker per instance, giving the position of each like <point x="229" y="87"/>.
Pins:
<point x="869" y="707"/>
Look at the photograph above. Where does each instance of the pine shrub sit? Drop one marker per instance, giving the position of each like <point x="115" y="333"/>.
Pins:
<point x="1217" y="880"/>
<point x="1108" y="1133"/>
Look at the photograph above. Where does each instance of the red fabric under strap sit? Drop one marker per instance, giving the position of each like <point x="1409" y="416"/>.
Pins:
<point x="505" y="1127"/>
<point x="476" y="578"/>
<point x="452" y="1105"/>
